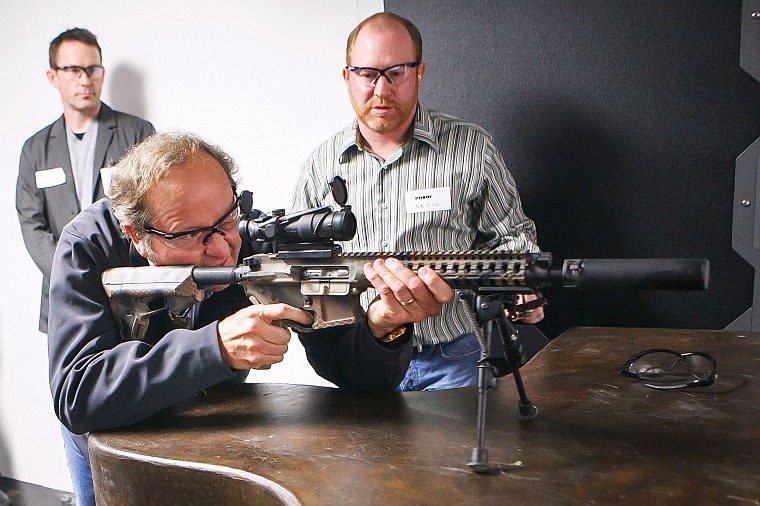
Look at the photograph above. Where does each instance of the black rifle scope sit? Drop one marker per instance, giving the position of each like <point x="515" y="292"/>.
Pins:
<point x="319" y="225"/>
<point x="312" y="225"/>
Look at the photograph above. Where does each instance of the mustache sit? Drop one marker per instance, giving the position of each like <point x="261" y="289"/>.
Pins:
<point x="381" y="102"/>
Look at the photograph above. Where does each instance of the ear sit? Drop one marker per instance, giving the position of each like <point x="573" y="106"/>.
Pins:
<point x="421" y="70"/>
<point x="346" y="75"/>
<point x="138" y="239"/>
<point x="52" y="78"/>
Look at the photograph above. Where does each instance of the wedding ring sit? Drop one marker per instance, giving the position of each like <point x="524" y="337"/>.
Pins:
<point x="406" y="303"/>
<point x="261" y="313"/>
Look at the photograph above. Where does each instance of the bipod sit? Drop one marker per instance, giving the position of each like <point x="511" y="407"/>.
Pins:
<point x="501" y="355"/>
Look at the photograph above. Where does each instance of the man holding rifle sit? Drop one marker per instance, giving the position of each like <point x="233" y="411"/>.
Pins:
<point x="174" y="202"/>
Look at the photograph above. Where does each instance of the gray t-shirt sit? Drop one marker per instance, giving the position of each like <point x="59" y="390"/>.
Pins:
<point x="82" y="153"/>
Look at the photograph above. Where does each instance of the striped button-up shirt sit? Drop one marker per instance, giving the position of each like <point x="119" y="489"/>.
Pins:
<point x="446" y="189"/>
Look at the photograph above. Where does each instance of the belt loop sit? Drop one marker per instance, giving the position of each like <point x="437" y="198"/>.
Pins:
<point x="417" y="343"/>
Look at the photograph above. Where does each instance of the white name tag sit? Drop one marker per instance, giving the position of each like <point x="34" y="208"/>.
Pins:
<point x="428" y="200"/>
<point x="105" y="178"/>
<point x="49" y="178"/>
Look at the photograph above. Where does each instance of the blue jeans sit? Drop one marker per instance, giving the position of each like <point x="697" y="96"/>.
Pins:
<point x="444" y="366"/>
<point x="79" y="468"/>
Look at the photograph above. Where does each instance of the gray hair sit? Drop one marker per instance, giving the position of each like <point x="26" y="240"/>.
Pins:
<point x="149" y="161"/>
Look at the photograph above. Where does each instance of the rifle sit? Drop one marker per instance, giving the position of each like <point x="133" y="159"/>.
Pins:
<point x="329" y="287"/>
<point x="298" y="262"/>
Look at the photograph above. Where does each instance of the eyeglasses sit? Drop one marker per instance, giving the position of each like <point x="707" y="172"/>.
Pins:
<point x="193" y="239"/>
<point x="665" y="369"/>
<point x="368" y="76"/>
<point x="75" y="71"/>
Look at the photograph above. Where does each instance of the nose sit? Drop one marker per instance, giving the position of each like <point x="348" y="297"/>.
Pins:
<point x="216" y="244"/>
<point x="211" y="233"/>
<point x="382" y="86"/>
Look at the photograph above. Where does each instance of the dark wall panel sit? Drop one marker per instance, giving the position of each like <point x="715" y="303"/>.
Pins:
<point x="621" y="122"/>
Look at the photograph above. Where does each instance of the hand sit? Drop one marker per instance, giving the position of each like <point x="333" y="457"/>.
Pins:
<point x="532" y="315"/>
<point x="249" y="340"/>
<point x="403" y="296"/>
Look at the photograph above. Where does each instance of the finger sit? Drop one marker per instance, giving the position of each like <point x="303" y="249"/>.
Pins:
<point x="407" y="287"/>
<point x="371" y="272"/>
<point x="386" y="269"/>
<point x="286" y="312"/>
<point x="438" y="287"/>
<point x="532" y="315"/>
<point x="263" y="360"/>
<point x="261" y="346"/>
<point x="402" y="274"/>
<point x="270" y="313"/>
<point x="428" y="289"/>
<point x="267" y="347"/>
<point x="267" y="337"/>
<point x="535" y="316"/>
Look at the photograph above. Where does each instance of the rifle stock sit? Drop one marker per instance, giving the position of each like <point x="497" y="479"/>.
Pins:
<point x="329" y="287"/>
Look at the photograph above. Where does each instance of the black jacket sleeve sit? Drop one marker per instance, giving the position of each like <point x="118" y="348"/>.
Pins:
<point x="353" y="359"/>
<point x="99" y="381"/>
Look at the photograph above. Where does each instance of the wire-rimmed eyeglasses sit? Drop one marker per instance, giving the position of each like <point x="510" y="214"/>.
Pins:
<point x="666" y="369"/>
<point x="190" y="240"/>
<point x="76" y="71"/>
<point x="368" y="76"/>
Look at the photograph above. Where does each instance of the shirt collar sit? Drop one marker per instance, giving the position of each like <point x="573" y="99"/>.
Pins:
<point x="424" y="131"/>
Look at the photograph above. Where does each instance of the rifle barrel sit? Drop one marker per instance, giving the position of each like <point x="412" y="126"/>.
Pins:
<point x="633" y="274"/>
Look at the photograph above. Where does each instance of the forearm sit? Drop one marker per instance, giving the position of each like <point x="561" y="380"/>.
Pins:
<point x="502" y="216"/>
<point x="40" y="245"/>
<point x="35" y="229"/>
<point x="133" y="380"/>
<point x="98" y="381"/>
<point x="353" y="359"/>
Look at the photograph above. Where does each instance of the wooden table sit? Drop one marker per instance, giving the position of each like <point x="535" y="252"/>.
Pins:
<point x="598" y="438"/>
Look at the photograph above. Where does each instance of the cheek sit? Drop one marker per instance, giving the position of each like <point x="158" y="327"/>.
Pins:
<point x="143" y="247"/>
<point x="159" y="254"/>
<point x="409" y="95"/>
<point x="235" y="244"/>
<point x="67" y="90"/>
<point x="360" y="94"/>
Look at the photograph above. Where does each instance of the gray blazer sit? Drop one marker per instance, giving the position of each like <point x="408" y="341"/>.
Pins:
<point x="46" y="199"/>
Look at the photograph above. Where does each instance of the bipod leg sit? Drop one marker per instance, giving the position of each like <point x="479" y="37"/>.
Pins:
<point x="514" y="357"/>
<point x="479" y="460"/>
<point x="500" y="355"/>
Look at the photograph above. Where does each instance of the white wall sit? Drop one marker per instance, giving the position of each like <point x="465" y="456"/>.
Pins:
<point x="260" y="78"/>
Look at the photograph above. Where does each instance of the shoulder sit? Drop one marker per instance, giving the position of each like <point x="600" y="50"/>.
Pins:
<point x="123" y="119"/>
<point x="95" y="219"/>
<point x="97" y="229"/>
<point x="443" y="122"/>
<point x="337" y="143"/>
<point x="43" y="134"/>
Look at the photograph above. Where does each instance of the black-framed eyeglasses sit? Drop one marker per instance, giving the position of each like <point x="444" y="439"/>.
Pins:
<point x="190" y="240"/>
<point x="75" y="71"/>
<point x="666" y="369"/>
<point x="368" y="76"/>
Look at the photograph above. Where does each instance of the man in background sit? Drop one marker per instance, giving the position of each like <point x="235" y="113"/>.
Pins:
<point x="398" y="154"/>
<point x="65" y="166"/>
